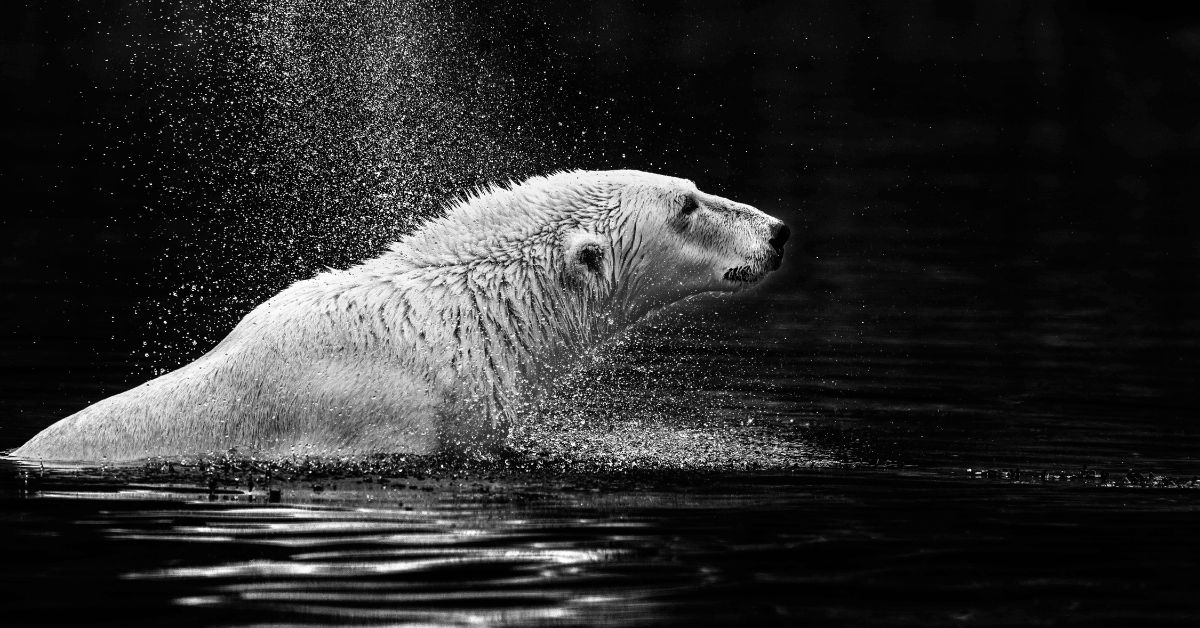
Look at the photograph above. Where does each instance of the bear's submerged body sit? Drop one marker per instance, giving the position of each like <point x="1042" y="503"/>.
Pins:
<point x="446" y="339"/>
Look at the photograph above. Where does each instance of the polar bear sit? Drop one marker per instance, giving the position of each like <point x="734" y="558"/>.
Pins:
<point x="445" y="339"/>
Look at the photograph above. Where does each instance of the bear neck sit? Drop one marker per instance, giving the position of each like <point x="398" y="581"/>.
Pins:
<point x="517" y="326"/>
<point x="547" y="327"/>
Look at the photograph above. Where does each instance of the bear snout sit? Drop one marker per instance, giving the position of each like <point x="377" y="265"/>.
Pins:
<point x="779" y="237"/>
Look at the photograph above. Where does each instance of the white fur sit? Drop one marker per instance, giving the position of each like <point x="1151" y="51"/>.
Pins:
<point x="442" y="341"/>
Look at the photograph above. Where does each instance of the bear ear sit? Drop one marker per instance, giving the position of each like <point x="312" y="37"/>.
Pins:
<point x="584" y="255"/>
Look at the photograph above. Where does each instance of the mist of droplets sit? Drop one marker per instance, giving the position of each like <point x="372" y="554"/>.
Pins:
<point x="685" y="390"/>
<point x="311" y="133"/>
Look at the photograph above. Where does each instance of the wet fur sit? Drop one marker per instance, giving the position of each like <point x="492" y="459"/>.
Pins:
<point x="442" y="341"/>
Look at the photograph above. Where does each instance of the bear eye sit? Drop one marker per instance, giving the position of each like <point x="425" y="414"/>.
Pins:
<point x="690" y="204"/>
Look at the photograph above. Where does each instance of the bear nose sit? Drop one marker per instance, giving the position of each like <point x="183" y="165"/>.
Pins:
<point x="779" y="237"/>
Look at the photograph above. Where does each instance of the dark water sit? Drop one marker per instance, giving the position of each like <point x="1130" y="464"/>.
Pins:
<point x="894" y="433"/>
<point x="848" y="547"/>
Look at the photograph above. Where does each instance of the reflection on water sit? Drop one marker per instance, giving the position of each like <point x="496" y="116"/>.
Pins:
<point x="807" y="547"/>
<point x="393" y="565"/>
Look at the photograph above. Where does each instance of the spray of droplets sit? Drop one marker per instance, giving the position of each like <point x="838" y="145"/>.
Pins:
<point x="311" y="133"/>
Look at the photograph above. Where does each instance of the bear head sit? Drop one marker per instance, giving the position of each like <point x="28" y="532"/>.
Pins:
<point x="661" y="240"/>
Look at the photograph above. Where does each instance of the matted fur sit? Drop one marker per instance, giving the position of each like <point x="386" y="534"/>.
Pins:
<point x="443" y="340"/>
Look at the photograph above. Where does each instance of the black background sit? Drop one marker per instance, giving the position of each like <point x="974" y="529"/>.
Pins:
<point x="989" y="123"/>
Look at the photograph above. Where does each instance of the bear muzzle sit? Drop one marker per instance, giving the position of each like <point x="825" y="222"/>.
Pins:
<point x="779" y="236"/>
